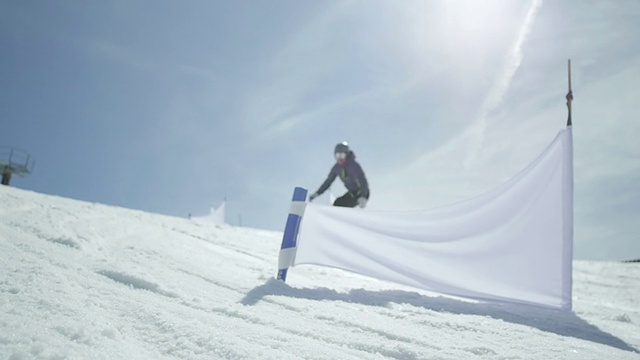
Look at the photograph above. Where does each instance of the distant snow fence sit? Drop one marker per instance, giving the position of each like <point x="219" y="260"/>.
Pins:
<point x="513" y="244"/>
<point x="216" y="216"/>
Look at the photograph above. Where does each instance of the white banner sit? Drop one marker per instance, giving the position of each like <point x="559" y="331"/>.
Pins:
<point x="513" y="244"/>
<point x="215" y="216"/>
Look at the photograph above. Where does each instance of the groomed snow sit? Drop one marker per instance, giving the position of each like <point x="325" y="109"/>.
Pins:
<point x="88" y="281"/>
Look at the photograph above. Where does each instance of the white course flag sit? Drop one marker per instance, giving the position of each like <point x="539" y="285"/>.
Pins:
<point x="513" y="244"/>
<point x="216" y="216"/>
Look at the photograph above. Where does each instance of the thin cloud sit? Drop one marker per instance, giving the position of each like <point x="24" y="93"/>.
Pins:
<point x="112" y="51"/>
<point x="289" y="74"/>
<point x="500" y="88"/>
<point x="436" y="175"/>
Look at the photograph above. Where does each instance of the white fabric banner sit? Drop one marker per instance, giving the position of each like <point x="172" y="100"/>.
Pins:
<point x="215" y="216"/>
<point x="513" y="244"/>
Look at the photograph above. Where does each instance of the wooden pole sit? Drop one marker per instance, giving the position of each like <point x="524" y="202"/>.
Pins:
<point x="569" y="94"/>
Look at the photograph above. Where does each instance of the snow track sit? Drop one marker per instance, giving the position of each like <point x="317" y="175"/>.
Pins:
<point x="88" y="281"/>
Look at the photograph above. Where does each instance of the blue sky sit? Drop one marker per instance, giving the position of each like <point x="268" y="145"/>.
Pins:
<point x="170" y="107"/>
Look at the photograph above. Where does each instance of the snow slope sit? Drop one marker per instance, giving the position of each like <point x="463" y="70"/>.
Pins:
<point x="88" y="281"/>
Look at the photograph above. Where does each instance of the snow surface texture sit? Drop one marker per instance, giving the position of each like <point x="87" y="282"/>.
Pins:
<point x="89" y="281"/>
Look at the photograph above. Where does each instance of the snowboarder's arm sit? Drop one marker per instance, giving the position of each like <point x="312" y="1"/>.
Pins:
<point x="325" y="185"/>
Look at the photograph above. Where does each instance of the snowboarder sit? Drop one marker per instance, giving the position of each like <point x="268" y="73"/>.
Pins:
<point x="351" y="175"/>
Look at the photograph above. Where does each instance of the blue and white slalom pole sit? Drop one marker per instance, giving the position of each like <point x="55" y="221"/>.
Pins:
<point x="288" y="248"/>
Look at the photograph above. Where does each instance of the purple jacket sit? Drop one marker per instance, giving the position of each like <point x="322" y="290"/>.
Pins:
<point x="351" y="175"/>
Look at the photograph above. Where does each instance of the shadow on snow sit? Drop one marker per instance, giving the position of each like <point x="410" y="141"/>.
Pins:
<point x="554" y="321"/>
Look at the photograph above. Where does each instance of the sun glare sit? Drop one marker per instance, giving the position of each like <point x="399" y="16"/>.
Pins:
<point x="451" y="32"/>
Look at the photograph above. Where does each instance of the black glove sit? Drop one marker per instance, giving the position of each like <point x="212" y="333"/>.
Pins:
<point x="313" y="196"/>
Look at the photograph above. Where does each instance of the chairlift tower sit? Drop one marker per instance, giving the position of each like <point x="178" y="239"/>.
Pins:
<point x="14" y="161"/>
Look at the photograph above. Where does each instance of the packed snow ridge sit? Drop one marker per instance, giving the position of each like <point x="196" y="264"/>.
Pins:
<point x="88" y="281"/>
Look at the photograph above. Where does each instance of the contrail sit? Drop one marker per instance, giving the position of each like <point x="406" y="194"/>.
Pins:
<point x="500" y="87"/>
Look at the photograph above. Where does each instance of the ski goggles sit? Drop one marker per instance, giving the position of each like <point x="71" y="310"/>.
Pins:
<point x="341" y="156"/>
